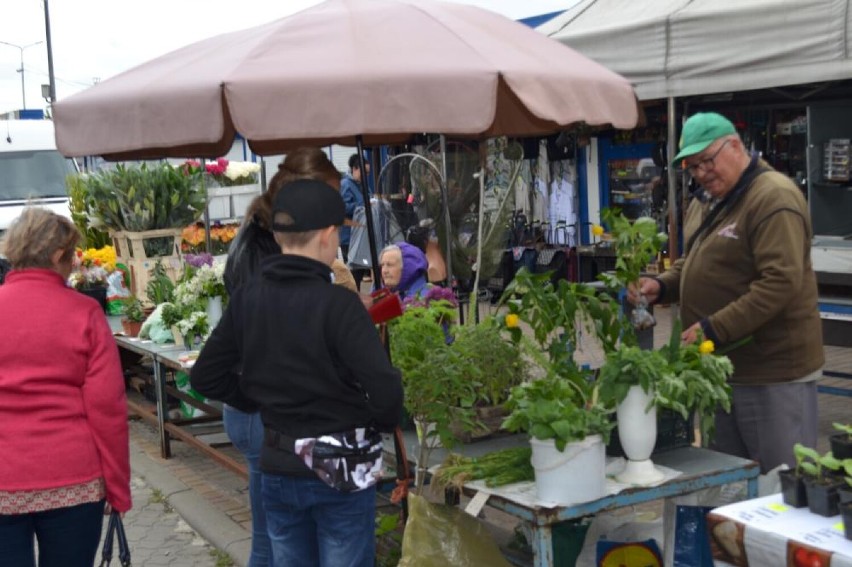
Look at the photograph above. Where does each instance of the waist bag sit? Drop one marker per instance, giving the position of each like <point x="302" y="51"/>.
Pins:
<point x="347" y="461"/>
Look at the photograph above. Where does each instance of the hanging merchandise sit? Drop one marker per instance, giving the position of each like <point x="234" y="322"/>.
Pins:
<point x="563" y="216"/>
<point x="541" y="202"/>
<point x="522" y="189"/>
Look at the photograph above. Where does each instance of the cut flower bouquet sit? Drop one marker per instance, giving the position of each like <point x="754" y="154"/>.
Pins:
<point x="188" y="310"/>
<point x="92" y="267"/>
<point x="228" y="173"/>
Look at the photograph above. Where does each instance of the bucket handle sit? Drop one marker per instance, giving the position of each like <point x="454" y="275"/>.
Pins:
<point x="571" y="450"/>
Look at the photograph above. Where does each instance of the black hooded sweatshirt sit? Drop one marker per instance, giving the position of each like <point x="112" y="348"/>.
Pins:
<point x="311" y="358"/>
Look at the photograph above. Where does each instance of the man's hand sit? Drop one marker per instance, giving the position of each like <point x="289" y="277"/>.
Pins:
<point x="690" y="335"/>
<point x="648" y="287"/>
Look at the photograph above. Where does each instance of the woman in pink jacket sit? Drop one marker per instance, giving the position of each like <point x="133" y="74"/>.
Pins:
<point x="64" y="458"/>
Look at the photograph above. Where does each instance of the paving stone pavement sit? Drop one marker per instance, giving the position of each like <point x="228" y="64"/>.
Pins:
<point x="159" y="536"/>
<point x="203" y="495"/>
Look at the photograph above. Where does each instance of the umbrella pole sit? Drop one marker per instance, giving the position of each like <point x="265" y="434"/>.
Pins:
<point x="448" y="230"/>
<point x="368" y="214"/>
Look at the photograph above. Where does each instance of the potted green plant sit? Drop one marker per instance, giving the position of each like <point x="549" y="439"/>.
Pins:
<point x="841" y="442"/>
<point x="160" y="287"/>
<point x="688" y="379"/>
<point x="793" y="480"/>
<point x="134" y="316"/>
<point x="561" y="410"/>
<point x="821" y="487"/>
<point x="494" y="364"/>
<point x="844" y="494"/>
<point x="438" y="395"/>
<point x="638" y="382"/>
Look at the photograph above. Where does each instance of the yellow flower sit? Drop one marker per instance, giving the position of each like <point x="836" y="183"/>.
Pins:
<point x="512" y="320"/>
<point x="597" y="230"/>
<point x="706" y="347"/>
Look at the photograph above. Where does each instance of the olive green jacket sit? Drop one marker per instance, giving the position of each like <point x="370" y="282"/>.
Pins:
<point x="750" y="274"/>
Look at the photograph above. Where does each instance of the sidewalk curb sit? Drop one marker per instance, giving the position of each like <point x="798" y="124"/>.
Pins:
<point x="211" y="523"/>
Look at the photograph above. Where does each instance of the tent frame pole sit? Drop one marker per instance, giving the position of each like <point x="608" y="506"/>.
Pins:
<point x="672" y="184"/>
<point x="368" y="214"/>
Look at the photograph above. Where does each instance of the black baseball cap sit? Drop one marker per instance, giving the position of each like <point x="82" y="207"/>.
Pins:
<point x="310" y="204"/>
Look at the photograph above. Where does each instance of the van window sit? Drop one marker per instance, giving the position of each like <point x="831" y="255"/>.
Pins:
<point x="33" y="174"/>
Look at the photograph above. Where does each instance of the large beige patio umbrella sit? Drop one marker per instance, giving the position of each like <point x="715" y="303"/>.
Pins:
<point x="380" y="69"/>
<point x="346" y="71"/>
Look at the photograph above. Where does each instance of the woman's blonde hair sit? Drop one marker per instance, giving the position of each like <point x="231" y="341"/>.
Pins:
<point x="36" y="235"/>
<point x="301" y="163"/>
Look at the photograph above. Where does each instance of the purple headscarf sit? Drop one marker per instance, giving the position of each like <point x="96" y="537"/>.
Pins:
<point x="415" y="268"/>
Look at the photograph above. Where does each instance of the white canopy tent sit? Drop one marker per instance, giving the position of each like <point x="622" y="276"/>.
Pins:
<point x="676" y="48"/>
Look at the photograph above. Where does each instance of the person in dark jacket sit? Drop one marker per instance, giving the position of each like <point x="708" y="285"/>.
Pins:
<point x="312" y="362"/>
<point x="747" y="275"/>
<point x="404" y="269"/>
<point x="253" y="243"/>
<point x="350" y="190"/>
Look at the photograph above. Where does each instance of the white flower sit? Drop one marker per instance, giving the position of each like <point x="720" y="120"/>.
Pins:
<point x="240" y="169"/>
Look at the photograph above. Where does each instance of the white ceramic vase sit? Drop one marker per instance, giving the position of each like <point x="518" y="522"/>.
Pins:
<point x="637" y="431"/>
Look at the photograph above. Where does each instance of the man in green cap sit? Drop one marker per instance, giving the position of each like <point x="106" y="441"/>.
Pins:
<point x="746" y="274"/>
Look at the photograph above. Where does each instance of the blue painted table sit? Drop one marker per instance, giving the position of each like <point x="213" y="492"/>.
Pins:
<point x="700" y="468"/>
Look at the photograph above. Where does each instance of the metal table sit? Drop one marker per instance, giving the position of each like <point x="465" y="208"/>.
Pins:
<point x="165" y="358"/>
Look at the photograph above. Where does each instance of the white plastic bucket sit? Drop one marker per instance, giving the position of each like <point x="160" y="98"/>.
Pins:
<point x="571" y="476"/>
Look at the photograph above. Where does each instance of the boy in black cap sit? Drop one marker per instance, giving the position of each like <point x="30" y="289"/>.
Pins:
<point x="313" y="363"/>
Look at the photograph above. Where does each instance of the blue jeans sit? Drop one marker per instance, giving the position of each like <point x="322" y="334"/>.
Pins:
<point x="246" y="433"/>
<point x="312" y="524"/>
<point x="67" y="537"/>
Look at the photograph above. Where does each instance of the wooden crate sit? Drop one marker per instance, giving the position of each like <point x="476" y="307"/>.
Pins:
<point x="132" y="244"/>
<point x="130" y="251"/>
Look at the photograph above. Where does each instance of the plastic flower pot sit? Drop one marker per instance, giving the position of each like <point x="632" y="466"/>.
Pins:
<point x="131" y="328"/>
<point x="822" y="497"/>
<point x="846" y="514"/>
<point x="844" y="494"/>
<point x="793" y="489"/>
<point x="841" y="446"/>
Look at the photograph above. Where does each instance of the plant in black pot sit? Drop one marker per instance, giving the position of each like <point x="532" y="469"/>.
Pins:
<point x="841" y="442"/>
<point x="820" y="485"/>
<point x="844" y="494"/>
<point x="793" y="480"/>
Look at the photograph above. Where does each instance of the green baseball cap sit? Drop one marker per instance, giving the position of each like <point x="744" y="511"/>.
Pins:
<point x="701" y="130"/>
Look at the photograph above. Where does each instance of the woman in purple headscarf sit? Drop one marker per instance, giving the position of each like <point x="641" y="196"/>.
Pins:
<point x="404" y="269"/>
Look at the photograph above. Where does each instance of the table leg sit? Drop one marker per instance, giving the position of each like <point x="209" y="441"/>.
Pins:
<point x="162" y="409"/>
<point x="542" y="545"/>
<point x="752" y="488"/>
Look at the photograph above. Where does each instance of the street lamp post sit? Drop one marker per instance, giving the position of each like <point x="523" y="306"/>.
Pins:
<point x="21" y="70"/>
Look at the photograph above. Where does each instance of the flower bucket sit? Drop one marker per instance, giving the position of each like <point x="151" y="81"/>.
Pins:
<point x="214" y="311"/>
<point x="99" y="294"/>
<point x="571" y="476"/>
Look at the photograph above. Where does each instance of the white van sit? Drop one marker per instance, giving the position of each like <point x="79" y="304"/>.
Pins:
<point x="32" y="171"/>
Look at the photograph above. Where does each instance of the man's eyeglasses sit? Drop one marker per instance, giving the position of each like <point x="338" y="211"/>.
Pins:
<point x="706" y="164"/>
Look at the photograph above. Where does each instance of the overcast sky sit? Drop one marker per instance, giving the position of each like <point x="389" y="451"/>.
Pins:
<point x="96" y="39"/>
